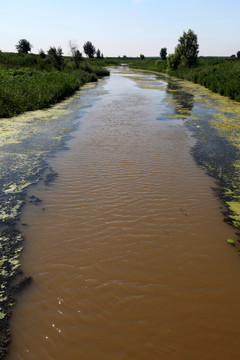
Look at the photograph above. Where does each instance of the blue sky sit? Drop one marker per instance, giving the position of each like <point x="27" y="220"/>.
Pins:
<point x="121" y="27"/>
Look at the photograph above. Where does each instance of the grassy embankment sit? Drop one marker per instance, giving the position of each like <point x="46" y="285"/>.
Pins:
<point x="220" y="75"/>
<point x="28" y="82"/>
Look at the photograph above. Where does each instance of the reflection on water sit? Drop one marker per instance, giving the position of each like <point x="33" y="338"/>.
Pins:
<point x="127" y="248"/>
<point x="183" y="100"/>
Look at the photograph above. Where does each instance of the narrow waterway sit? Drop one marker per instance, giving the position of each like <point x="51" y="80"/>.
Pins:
<point x="127" y="247"/>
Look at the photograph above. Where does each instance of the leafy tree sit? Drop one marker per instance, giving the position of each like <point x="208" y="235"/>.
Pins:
<point x="98" y="54"/>
<point x="173" y="60"/>
<point x="187" y="49"/>
<point x="163" y="53"/>
<point x="89" y="49"/>
<point x="23" y="46"/>
<point x="77" y="58"/>
<point x="55" y="57"/>
<point x="238" y="54"/>
<point x="42" y="54"/>
<point x="142" y="57"/>
<point x="76" y="54"/>
<point x="186" y="52"/>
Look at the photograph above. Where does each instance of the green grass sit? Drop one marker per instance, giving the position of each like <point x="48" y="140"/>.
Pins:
<point x="17" y="61"/>
<point x="38" y="90"/>
<point x="150" y="64"/>
<point x="220" y="75"/>
<point x="27" y="82"/>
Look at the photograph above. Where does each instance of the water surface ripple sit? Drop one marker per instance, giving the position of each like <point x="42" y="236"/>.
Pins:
<point x="127" y="249"/>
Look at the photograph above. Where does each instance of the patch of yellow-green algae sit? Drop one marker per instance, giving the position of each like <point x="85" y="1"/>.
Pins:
<point x="25" y="141"/>
<point x="226" y="122"/>
<point x="234" y="207"/>
<point x="144" y="80"/>
<point x="228" y="126"/>
<point x="215" y="121"/>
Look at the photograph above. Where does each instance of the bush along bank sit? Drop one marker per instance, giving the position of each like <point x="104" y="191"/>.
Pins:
<point x="220" y="75"/>
<point x="24" y="87"/>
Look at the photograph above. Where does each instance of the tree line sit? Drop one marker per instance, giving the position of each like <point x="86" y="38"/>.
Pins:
<point x="54" y="56"/>
<point x="185" y="53"/>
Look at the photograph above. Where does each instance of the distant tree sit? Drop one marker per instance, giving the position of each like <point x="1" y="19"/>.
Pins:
<point x="233" y="56"/>
<point x="42" y="54"/>
<point x="142" y="57"/>
<point x="23" y="46"/>
<point x="187" y="49"/>
<point x="186" y="52"/>
<point x="76" y="54"/>
<point x="238" y="54"/>
<point x="89" y="49"/>
<point x="55" y="57"/>
<point x="163" y="53"/>
<point x="77" y="58"/>
<point x="98" y="54"/>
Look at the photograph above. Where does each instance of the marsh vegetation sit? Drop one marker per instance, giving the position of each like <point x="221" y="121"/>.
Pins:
<point x="30" y="82"/>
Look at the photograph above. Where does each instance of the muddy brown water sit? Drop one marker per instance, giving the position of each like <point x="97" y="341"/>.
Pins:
<point x="127" y="248"/>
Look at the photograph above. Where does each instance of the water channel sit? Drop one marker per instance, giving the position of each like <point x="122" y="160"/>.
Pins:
<point x="127" y="248"/>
